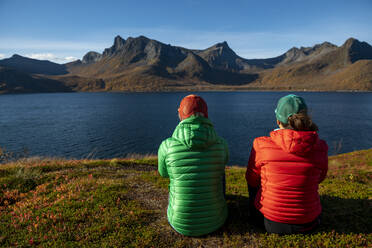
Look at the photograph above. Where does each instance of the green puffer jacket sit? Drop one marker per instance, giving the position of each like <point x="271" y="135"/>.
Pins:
<point x="194" y="159"/>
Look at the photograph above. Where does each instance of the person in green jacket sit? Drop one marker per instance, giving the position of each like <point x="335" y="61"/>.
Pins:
<point x="194" y="159"/>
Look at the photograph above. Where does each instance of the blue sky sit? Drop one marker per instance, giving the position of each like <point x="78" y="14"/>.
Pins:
<point x="65" y="30"/>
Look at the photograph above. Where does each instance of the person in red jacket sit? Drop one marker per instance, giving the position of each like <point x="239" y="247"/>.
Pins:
<point x="285" y="169"/>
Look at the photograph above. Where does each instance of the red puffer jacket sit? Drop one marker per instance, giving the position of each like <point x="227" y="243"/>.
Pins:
<point x="287" y="167"/>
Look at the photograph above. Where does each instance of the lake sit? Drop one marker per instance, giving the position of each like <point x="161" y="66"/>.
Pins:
<point x="108" y="125"/>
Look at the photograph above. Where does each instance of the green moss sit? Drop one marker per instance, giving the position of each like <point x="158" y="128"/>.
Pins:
<point x="156" y="179"/>
<point x="76" y="209"/>
<point x="118" y="203"/>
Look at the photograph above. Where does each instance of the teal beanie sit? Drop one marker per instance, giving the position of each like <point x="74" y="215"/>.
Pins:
<point x="287" y="106"/>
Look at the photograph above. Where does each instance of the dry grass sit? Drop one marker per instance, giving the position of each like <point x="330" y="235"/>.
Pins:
<point x="122" y="203"/>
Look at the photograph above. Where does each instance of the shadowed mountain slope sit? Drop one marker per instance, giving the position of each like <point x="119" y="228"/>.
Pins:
<point x="143" y="64"/>
<point x="335" y="68"/>
<point x="33" y="66"/>
<point x="13" y="81"/>
<point x="142" y="58"/>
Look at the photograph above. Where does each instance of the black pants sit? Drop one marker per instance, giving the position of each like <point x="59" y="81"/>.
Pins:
<point x="277" y="227"/>
<point x="283" y="228"/>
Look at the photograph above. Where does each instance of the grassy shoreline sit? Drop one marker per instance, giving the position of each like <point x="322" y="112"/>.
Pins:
<point x="122" y="203"/>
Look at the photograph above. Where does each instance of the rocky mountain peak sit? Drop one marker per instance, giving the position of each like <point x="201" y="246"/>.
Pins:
<point x="91" y="57"/>
<point x="350" y="42"/>
<point x="308" y="50"/>
<point x="17" y="56"/>
<point x="222" y="47"/>
<point x="140" y="38"/>
<point x="118" y="44"/>
<point x="295" y="50"/>
<point x="22" y="58"/>
<point x="33" y="66"/>
<point x="357" y="50"/>
<point x="327" y="44"/>
<point x="303" y="53"/>
<point x="222" y="44"/>
<point x="140" y="63"/>
<point x="220" y="56"/>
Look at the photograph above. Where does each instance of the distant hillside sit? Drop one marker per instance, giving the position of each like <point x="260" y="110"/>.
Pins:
<point x="13" y="81"/>
<point x="223" y="57"/>
<point x="348" y="67"/>
<point x="33" y="66"/>
<point x="143" y="64"/>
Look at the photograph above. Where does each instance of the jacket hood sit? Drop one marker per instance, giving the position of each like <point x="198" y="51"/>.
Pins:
<point x="296" y="142"/>
<point x="195" y="132"/>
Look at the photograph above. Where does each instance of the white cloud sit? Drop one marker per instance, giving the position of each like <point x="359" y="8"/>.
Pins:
<point x="51" y="57"/>
<point x="70" y="58"/>
<point x="2" y="55"/>
<point x="41" y="56"/>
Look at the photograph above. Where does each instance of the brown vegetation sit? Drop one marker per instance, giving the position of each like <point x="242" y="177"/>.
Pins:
<point x="142" y="64"/>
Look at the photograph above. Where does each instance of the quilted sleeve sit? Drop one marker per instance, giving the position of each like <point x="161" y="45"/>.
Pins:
<point x="324" y="163"/>
<point x="253" y="173"/>
<point x="162" y="153"/>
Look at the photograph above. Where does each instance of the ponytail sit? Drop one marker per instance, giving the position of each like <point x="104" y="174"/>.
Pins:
<point x="301" y="122"/>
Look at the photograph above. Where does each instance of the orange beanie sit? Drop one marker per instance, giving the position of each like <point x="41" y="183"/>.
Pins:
<point x="192" y="104"/>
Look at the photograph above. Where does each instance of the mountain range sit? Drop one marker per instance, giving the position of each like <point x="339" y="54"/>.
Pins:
<point x="143" y="64"/>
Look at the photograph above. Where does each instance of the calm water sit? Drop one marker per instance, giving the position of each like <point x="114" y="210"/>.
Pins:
<point x="107" y="125"/>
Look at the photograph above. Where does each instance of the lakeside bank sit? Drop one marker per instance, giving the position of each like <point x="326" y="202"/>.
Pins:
<point x="122" y="202"/>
